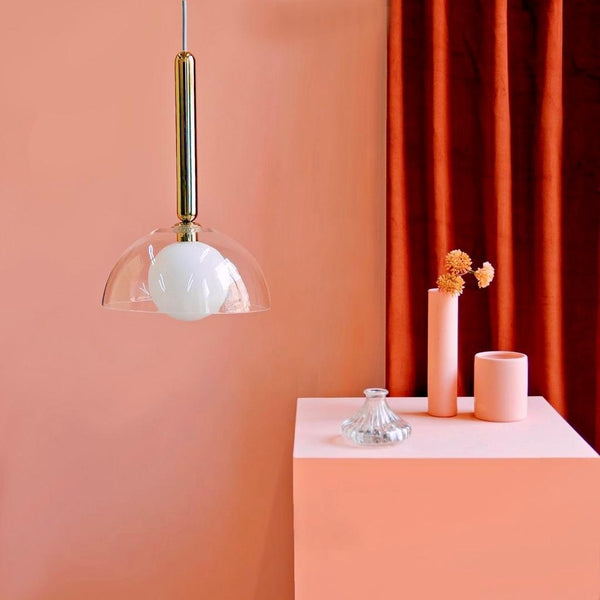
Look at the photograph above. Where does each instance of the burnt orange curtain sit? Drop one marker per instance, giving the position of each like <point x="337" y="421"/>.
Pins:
<point x="493" y="148"/>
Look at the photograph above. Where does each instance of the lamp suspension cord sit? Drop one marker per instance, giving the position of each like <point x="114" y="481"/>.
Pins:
<point x="184" y="25"/>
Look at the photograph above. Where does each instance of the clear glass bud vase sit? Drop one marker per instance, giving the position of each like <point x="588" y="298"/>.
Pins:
<point x="375" y="423"/>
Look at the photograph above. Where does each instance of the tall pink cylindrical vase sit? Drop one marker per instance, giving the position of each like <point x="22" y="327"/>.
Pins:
<point x="442" y="353"/>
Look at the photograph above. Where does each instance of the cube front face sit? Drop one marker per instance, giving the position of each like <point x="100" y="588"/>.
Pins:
<point x="471" y="529"/>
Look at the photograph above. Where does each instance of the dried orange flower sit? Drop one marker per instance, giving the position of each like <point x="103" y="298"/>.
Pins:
<point x="484" y="275"/>
<point x="451" y="283"/>
<point x="457" y="262"/>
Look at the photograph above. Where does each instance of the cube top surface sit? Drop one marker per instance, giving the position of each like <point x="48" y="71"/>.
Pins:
<point x="544" y="434"/>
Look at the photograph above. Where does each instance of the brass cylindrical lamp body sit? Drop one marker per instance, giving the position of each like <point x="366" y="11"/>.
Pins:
<point x="185" y="115"/>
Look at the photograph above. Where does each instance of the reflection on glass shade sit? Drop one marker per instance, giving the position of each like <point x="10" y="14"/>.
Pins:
<point x="187" y="280"/>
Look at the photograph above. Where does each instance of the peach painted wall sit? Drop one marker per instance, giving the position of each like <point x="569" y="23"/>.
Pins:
<point x="140" y="457"/>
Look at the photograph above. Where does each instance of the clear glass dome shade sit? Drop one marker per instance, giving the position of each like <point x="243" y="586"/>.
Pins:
<point x="187" y="272"/>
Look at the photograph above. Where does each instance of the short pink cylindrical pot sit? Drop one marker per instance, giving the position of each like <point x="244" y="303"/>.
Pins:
<point x="500" y="386"/>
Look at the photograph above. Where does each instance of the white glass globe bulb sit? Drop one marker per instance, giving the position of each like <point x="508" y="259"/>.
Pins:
<point x="188" y="280"/>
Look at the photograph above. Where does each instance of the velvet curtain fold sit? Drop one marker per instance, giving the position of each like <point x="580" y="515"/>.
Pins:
<point x="493" y="122"/>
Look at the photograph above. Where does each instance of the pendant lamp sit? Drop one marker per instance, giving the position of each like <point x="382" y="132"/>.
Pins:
<point x="186" y="271"/>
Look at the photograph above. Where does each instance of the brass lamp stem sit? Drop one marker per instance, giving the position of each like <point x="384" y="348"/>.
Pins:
<point x="185" y="116"/>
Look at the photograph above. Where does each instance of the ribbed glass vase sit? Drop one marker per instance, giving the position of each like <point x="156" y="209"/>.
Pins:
<point x="375" y="423"/>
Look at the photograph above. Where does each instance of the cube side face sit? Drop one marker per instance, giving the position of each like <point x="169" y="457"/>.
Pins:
<point x="455" y="528"/>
